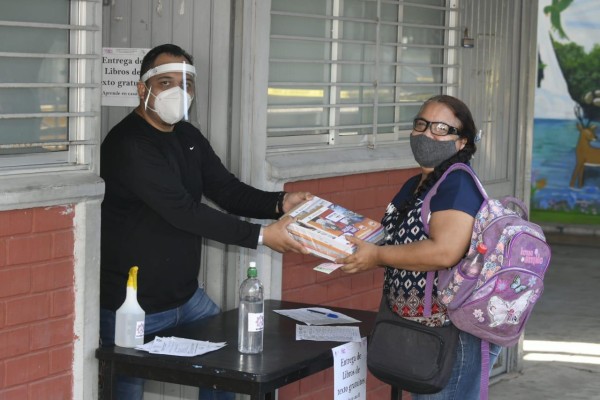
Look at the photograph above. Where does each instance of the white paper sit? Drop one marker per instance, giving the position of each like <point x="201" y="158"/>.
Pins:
<point x="328" y="333"/>
<point x="175" y="346"/>
<point x="317" y="316"/>
<point x="350" y="371"/>
<point x="327" y="267"/>
<point x="120" y="75"/>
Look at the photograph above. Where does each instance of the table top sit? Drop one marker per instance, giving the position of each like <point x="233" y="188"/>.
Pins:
<point x="282" y="361"/>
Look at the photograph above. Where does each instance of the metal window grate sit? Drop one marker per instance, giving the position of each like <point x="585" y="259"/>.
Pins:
<point x="356" y="70"/>
<point x="49" y="114"/>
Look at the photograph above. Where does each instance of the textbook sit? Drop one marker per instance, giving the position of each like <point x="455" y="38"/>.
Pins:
<point x="322" y="227"/>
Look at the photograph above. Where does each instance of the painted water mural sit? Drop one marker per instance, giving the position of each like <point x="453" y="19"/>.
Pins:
<point x="566" y="151"/>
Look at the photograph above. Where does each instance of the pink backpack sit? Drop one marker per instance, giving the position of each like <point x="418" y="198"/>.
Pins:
<point x="495" y="304"/>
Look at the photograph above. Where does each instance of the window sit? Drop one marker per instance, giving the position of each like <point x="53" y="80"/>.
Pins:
<point x="355" y="72"/>
<point x="49" y="61"/>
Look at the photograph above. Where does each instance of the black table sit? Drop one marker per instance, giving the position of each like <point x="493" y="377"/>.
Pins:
<point x="283" y="360"/>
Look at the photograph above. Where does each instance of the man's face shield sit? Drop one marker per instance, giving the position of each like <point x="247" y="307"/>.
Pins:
<point x="171" y="79"/>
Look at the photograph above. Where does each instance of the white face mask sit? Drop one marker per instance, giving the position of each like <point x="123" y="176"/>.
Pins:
<point x="171" y="105"/>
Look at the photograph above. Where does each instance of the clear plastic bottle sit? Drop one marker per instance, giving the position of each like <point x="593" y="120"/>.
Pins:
<point x="130" y="318"/>
<point x="251" y="317"/>
<point x="473" y="267"/>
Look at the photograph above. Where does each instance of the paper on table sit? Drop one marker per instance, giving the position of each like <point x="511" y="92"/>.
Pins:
<point x="175" y="346"/>
<point x="328" y="333"/>
<point x="317" y="316"/>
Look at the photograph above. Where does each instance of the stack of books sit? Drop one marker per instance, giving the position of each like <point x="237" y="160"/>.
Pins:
<point x="322" y="227"/>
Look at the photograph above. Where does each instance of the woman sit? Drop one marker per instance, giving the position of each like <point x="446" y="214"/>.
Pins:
<point x="443" y="134"/>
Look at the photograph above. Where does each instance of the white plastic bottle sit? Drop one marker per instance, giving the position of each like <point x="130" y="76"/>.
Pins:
<point x="251" y="317"/>
<point x="473" y="267"/>
<point x="129" y="324"/>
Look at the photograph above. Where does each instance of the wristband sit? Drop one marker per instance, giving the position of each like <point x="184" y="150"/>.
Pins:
<point x="260" y="236"/>
<point x="280" y="202"/>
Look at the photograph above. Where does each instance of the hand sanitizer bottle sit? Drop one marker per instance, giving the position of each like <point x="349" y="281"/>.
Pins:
<point x="129" y="325"/>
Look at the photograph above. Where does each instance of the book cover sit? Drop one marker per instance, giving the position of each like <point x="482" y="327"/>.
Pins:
<point x="322" y="227"/>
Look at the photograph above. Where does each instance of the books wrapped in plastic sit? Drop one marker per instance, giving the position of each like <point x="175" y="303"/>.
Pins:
<point x="322" y="227"/>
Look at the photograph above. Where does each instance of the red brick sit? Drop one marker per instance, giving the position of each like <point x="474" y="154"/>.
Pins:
<point x="311" y="186"/>
<point x="15" y="281"/>
<point x="15" y="222"/>
<point x="289" y="392"/>
<point x="14" y="342"/>
<point x="339" y="289"/>
<point x="52" y="333"/>
<point x="2" y="384"/>
<point x="29" y="368"/>
<point x="312" y="382"/>
<point x="361" y="282"/>
<point x="2" y="252"/>
<point x="377" y="179"/>
<point x="29" y="249"/>
<point x="364" y="199"/>
<point x="28" y="309"/>
<point x="52" y="275"/>
<point x="358" y="181"/>
<point x="53" y="218"/>
<point x="54" y="388"/>
<point x="297" y="277"/>
<point x="323" y="393"/>
<point x="62" y="303"/>
<point x="61" y="359"/>
<point x="2" y="314"/>
<point x="15" y="393"/>
<point x="313" y="294"/>
<point x="384" y="195"/>
<point x="331" y="185"/>
<point x="63" y="244"/>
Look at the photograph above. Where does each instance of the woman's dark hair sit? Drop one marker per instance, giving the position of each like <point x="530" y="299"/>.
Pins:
<point x="466" y="130"/>
<point x="152" y="55"/>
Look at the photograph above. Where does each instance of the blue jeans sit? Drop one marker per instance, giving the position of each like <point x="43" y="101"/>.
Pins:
<point x="466" y="373"/>
<point x="197" y="307"/>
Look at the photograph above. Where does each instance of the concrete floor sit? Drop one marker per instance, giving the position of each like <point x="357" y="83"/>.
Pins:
<point x="567" y="318"/>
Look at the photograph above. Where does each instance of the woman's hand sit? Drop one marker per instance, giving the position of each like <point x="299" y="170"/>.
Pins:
<point x="277" y="237"/>
<point x="365" y="257"/>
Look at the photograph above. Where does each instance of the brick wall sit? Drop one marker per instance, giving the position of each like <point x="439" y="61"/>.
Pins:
<point x="37" y="304"/>
<point x="367" y="194"/>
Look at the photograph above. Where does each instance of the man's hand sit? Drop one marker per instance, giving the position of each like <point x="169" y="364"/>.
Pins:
<point x="291" y="200"/>
<point x="277" y="237"/>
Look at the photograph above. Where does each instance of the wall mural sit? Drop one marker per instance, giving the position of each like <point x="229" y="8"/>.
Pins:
<point x="566" y="150"/>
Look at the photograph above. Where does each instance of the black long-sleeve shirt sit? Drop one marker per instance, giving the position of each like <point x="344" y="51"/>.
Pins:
<point x="152" y="215"/>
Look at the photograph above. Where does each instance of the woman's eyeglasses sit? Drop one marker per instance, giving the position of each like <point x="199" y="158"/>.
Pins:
<point x="437" y="128"/>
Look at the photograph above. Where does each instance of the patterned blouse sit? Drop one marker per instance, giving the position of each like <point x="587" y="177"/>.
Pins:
<point x="405" y="290"/>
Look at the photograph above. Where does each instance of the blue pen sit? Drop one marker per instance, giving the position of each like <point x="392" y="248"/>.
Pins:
<point x="328" y="315"/>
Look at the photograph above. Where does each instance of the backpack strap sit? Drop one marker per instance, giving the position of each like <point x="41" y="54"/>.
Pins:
<point x="484" y="381"/>
<point x="425" y="207"/>
<point x="425" y="211"/>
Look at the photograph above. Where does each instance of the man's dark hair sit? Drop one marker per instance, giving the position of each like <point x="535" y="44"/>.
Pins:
<point x="152" y="55"/>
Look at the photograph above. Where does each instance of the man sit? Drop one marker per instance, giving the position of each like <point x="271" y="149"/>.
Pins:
<point x="157" y="170"/>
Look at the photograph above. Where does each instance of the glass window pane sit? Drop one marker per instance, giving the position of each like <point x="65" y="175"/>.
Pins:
<point x="424" y="16"/>
<point x="412" y="35"/>
<point x="54" y="11"/>
<point x="422" y="56"/>
<point x="279" y="95"/>
<point x="295" y="26"/>
<point x="317" y="7"/>
<point x="299" y="72"/>
<point x="34" y="40"/>
<point x="300" y="49"/>
<point x="19" y="129"/>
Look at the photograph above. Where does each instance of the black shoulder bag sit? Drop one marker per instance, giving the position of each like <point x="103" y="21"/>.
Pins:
<point x="410" y="355"/>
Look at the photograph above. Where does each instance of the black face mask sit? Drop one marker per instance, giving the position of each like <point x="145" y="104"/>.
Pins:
<point x="430" y="153"/>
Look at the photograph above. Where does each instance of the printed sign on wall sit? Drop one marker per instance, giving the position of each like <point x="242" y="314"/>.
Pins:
<point x="120" y="75"/>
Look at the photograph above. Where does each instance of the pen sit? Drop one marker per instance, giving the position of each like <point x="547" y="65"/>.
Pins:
<point x="328" y="315"/>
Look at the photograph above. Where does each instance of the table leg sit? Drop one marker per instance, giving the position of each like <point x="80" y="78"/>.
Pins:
<point x="396" y="394"/>
<point x="106" y="380"/>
